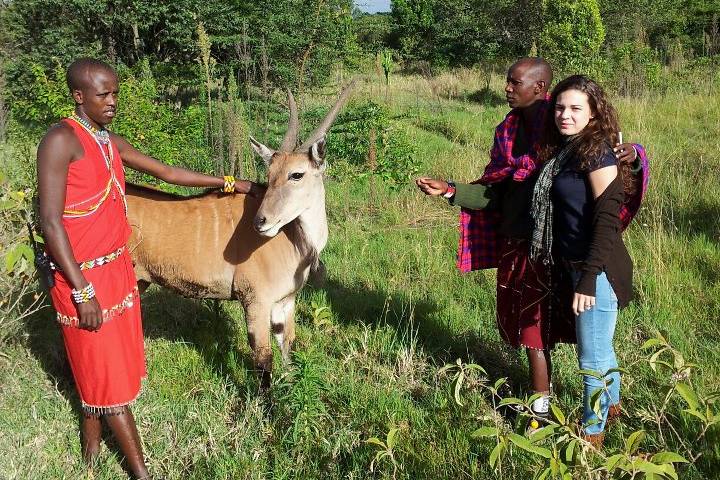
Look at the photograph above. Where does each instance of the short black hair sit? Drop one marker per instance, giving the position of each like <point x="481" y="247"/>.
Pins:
<point x="77" y="73"/>
<point x="538" y="67"/>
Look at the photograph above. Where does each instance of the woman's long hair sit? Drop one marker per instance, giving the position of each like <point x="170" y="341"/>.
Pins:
<point x="599" y="134"/>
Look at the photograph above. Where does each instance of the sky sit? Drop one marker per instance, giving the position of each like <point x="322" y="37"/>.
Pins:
<point x="373" y="6"/>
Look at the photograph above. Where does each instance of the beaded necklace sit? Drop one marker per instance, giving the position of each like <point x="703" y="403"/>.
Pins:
<point x="102" y="135"/>
<point x="102" y="138"/>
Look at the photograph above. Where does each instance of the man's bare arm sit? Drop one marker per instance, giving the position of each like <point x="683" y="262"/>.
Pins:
<point x="137" y="160"/>
<point x="55" y="152"/>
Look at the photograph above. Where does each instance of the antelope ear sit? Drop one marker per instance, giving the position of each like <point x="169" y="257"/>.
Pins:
<point x="265" y="152"/>
<point x="317" y="154"/>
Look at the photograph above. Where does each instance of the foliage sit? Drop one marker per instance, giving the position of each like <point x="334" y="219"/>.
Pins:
<point x="558" y="450"/>
<point x="463" y="32"/>
<point x="366" y="136"/>
<point x="572" y="34"/>
<point x="304" y="40"/>
<point x="635" y="68"/>
<point x="17" y="272"/>
<point x="49" y="100"/>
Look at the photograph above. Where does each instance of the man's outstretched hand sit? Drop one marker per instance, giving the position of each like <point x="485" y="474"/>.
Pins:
<point x="432" y="186"/>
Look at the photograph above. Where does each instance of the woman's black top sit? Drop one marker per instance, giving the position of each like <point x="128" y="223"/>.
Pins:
<point x="573" y="206"/>
<point x="587" y="230"/>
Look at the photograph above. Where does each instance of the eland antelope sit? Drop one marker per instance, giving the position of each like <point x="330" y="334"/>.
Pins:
<point x="236" y="247"/>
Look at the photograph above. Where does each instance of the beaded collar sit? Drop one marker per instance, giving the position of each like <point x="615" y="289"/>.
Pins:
<point x="102" y="136"/>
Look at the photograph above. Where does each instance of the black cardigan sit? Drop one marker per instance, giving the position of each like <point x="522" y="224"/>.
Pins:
<point x="607" y="251"/>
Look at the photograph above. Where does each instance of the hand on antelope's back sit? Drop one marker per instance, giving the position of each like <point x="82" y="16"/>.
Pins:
<point x="250" y="188"/>
<point x="431" y="186"/>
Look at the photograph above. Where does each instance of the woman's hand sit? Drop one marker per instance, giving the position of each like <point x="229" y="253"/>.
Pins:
<point x="582" y="303"/>
<point x="432" y="186"/>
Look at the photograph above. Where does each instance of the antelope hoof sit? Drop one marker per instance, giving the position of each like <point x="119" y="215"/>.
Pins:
<point x="265" y="380"/>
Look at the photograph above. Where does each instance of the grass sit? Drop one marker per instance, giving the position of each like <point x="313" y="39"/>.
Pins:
<point x="399" y="312"/>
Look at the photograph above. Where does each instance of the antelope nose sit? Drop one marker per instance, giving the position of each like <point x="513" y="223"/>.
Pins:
<point x="259" y="222"/>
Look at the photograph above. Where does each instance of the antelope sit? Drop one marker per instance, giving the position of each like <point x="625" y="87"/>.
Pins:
<point x="236" y="247"/>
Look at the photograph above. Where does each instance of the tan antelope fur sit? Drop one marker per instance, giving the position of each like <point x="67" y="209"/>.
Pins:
<point x="236" y="247"/>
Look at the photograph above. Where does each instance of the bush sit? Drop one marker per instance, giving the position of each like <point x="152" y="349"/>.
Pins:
<point x="20" y="295"/>
<point x="635" y="68"/>
<point x="370" y="142"/>
<point x="572" y="35"/>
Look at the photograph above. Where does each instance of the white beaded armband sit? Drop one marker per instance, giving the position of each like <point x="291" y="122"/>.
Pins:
<point x="84" y="294"/>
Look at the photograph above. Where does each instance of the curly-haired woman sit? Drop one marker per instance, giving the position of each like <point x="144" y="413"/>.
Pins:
<point x="576" y="204"/>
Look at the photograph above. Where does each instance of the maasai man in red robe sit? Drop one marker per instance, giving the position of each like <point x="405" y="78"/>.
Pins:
<point x="81" y="188"/>
<point x="495" y="223"/>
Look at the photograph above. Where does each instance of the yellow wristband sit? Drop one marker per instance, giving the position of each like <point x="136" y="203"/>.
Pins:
<point x="229" y="186"/>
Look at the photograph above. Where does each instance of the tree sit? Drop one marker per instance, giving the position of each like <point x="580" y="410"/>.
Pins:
<point x="572" y="35"/>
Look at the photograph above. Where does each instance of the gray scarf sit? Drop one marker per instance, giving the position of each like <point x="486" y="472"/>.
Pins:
<point x="542" y="207"/>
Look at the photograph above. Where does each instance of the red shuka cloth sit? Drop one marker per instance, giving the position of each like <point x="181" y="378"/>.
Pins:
<point x="108" y="365"/>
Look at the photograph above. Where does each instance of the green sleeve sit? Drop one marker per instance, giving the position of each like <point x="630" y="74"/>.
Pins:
<point x="473" y="196"/>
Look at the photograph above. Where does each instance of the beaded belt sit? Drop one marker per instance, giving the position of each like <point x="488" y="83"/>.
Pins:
<point x="96" y="262"/>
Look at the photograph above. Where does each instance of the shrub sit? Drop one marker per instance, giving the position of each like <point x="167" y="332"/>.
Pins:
<point x="20" y="296"/>
<point x="367" y="139"/>
<point x="572" y="35"/>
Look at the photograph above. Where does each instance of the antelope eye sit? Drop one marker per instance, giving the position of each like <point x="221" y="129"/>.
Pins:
<point x="296" y="175"/>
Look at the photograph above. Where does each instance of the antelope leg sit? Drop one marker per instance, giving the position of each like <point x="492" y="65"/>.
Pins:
<point x="283" y="325"/>
<point x="258" y="327"/>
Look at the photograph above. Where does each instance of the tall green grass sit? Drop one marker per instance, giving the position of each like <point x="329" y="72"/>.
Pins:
<point x="399" y="311"/>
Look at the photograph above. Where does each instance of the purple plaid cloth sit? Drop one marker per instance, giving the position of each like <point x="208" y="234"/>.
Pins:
<point x="630" y="207"/>
<point x="478" y="246"/>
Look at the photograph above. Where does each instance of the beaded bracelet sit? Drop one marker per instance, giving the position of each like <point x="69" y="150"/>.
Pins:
<point x="84" y="294"/>
<point x="229" y="186"/>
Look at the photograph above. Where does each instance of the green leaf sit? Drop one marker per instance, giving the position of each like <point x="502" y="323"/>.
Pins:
<point x="653" y="360"/>
<point x="11" y="259"/>
<point x="525" y="444"/>
<point x="668" y="457"/>
<point x="591" y="373"/>
<point x="376" y="441"/>
<point x="595" y="401"/>
<point x="499" y="382"/>
<point x="614" y="462"/>
<point x="652" y="342"/>
<point x="557" y="413"/>
<point x="688" y="394"/>
<point x="510" y="401"/>
<point x="695" y="413"/>
<point x="496" y="453"/>
<point x="569" y="451"/>
<point x="27" y="252"/>
<point x="542" y="433"/>
<point x="458" y="385"/>
<point x="648" y="467"/>
<point x="484" y="432"/>
<point x="669" y="469"/>
<point x="618" y="370"/>
<point x="544" y="474"/>
<point x="392" y="438"/>
<point x="632" y="443"/>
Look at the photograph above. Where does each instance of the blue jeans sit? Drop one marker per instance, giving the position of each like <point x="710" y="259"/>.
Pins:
<point x="595" y="329"/>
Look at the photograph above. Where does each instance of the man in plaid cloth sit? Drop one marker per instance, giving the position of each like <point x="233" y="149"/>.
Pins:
<point x="496" y="226"/>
